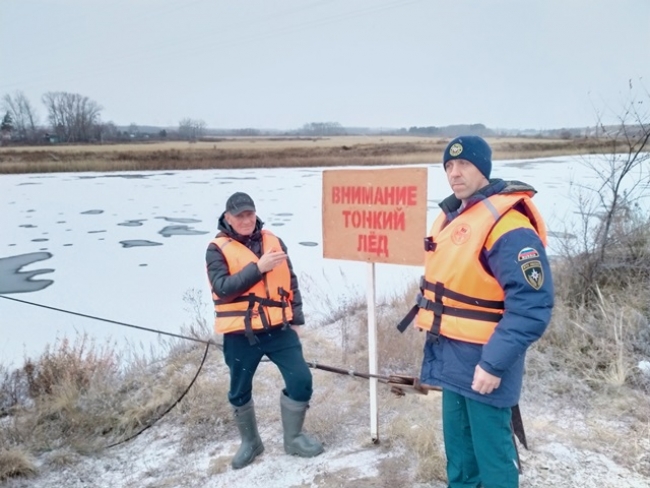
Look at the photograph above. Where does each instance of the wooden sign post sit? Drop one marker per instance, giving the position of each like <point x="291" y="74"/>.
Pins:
<point x="377" y="216"/>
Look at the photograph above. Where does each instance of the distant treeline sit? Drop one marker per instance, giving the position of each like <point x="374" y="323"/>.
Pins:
<point x="74" y="118"/>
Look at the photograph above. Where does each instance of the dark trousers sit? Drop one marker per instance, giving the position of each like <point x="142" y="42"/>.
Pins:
<point x="478" y="443"/>
<point x="282" y="346"/>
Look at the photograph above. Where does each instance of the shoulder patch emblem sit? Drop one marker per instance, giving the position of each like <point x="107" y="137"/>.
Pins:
<point x="533" y="273"/>
<point x="527" y="253"/>
<point x="455" y="150"/>
<point x="460" y="234"/>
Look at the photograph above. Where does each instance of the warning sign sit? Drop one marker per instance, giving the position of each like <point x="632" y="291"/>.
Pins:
<point x="375" y="215"/>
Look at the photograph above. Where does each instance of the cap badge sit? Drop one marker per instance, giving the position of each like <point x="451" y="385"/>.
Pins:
<point x="455" y="150"/>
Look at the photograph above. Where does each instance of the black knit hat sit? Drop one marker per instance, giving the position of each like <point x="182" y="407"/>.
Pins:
<point x="473" y="149"/>
<point x="239" y="202"/>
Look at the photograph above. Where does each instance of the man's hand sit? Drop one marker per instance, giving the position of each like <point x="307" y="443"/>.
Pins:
<point x="484" y="382"/>
<point x="270" y="259"/>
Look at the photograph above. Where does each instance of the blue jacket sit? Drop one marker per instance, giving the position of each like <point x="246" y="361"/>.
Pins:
<point x="451" y="363"/>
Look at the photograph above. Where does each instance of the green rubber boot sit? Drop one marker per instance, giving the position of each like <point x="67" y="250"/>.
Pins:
<point x="293" y="417"/>
<point x="251" y="444"/>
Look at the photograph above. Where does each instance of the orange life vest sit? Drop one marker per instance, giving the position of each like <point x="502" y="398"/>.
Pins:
<point x="266" y="304"/>
<point x="459" y="299"/>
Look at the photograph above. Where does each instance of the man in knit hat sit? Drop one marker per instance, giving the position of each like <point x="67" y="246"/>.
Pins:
<point x="485" y="297"/>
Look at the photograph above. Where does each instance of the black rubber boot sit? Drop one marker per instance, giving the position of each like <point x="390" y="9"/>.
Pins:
<point x="251" y="444"/>
<point x="293" y="417"/>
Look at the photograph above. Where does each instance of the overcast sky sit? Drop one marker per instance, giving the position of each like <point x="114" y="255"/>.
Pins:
<point x="374" y="63"/>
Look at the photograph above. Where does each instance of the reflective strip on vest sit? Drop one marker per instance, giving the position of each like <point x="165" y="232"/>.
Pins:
<point x="266" y="304"/>
<point x="459" y="299"/>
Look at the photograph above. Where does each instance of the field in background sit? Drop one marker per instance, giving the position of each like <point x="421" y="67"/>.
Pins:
<point x="270" y="152"/>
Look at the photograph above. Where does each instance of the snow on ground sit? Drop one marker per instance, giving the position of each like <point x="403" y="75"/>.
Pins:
<point x="559" y="456"/>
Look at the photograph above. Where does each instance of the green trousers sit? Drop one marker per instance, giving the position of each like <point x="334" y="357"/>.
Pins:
<point x="478" y="443"/>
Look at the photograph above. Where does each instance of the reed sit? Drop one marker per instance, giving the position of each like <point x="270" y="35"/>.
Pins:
<point x="237" y="153"/>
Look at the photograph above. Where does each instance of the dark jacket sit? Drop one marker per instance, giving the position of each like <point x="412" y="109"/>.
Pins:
<point x="228" y="286"/>
<point x="450" y="363"/>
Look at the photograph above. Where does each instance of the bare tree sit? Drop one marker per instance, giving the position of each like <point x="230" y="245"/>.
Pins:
<point x="191" y="129"/>
<point x="105" y="131"/>
<point x="323" y="129"/>
<point x="23" y="116"/>
<point x="73" y="117"/>
<point x="612" y="238"/>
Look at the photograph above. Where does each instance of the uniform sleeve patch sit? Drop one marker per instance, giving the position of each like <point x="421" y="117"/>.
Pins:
<point x="527" y="253"/>
<point x="533" y="273"/>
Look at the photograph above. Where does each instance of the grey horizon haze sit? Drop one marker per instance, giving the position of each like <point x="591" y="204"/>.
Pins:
<point x="279" y="64"/>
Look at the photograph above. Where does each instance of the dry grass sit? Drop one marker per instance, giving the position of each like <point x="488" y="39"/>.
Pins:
<point x="419" y="428"/>
<point x="270" y="153"/>
<point x="68" y="364"/>
<point x="408" y="424"/>
<point x="15" y="463"/>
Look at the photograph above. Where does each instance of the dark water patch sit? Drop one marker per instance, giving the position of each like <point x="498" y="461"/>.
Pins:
<point x="132" y="223"/>
<point x="31" y="210"/>
<point x="28" y="183"/>
<point x="180" y="230"/>
<point x="136" y="176"/>
<point x="67" y="245"/>
<point x="561" y="235"/>
<point x="308" y="243"/>
<point x="96" y="231"/>
<point x="28" y="226"/>
<point x="61" y="222"/>
<point x="142" y="265"/>
<point x="285" y="214"/>
<point x="139" y="243"/>
<point x="12" y="245"/>
<point x="13" y="280"/>
<point x="198" y="182"/>
<point x="40" y="239"/>
<point x="180" y="220"/>
<point x="529" y="163"/>
<point x="277" y="224"/>
<point x="235" y="178"/>
<point x="92" y="212"/>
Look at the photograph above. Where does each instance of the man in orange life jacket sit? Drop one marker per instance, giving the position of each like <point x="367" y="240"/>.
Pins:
<point x="257" y="309"/>
<point x="486" y="296"/>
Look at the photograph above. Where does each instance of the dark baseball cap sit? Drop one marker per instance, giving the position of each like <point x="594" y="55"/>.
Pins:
<point x="239" y="202"/>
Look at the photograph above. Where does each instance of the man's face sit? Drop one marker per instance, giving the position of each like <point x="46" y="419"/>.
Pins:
<point x="243" y="223"/>
<point x="464" y="178"/>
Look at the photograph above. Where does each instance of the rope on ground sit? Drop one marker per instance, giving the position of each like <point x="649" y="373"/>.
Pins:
<point x="205" y="355"/>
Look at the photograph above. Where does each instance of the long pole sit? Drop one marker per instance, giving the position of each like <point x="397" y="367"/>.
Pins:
<point x="372" y="353"/>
